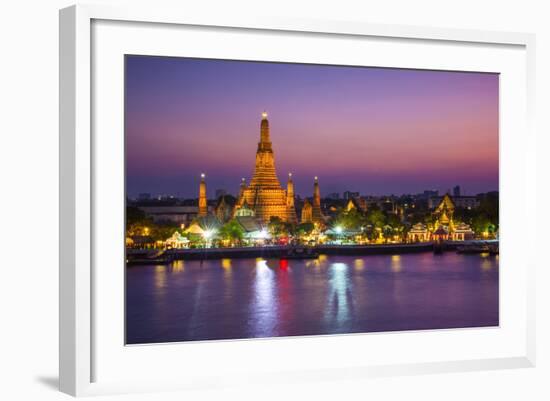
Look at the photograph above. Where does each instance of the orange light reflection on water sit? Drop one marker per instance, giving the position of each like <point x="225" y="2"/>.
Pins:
<point x="396" y="263"/>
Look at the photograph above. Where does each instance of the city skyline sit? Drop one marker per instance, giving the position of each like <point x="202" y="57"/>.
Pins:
<point x="215" y="193"/>
<point x="370" y="130"/>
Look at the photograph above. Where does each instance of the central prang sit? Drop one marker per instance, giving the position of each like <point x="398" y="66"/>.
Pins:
<point x="264" y="195"/>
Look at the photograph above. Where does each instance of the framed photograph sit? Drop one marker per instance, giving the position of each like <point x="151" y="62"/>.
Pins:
<point x="243" y="200"/>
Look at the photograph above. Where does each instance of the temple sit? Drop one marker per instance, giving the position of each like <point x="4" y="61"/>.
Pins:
<point x="264" y="198"/>
<point x="264" y="195"/>
<point x="443" y="214"/>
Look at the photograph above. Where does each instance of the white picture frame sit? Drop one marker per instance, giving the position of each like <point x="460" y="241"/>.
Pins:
<point x="78" y="375"/>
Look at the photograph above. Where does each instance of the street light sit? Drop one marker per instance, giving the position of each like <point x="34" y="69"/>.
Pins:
<point x="208" y="234"/>
<point x="339" y="231"/>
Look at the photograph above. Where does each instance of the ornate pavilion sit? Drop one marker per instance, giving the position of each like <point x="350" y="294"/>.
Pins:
<point x="444" y="227"/>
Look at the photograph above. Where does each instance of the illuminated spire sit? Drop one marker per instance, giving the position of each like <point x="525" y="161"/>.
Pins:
<point x="316" y="193"/>
<point x="203" y="204"/>
<point x="291" y="210"/>
<point x="242" y="188"/>
<point x="317" y="214"/>
<point x="264" y="193"/>
<point x="265" y="141"/>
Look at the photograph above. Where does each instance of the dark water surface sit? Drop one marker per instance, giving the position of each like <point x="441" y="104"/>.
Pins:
<point x="247" y="298"/>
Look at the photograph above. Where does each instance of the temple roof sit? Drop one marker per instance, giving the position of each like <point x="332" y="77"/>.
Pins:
<point x="249" y="223"/>
<point x="353" y="203"/>
<point x="228" y="200"/>
<point x="418" y="228"/>
<point x="441" y="231"/>
<point x="446" y="203"/>
<point x="463" y="227"/>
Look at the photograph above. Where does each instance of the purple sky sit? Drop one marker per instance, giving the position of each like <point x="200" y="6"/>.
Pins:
<point x="372" y="130"/>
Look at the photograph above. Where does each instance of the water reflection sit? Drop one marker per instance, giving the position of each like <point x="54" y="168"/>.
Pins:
<point x="160" y="278"/>
<point x="178" y="266"/>
<point x="396" y="263"/>
<point x="245" y="298"/>
<point x="264" y="306"/>
<point x="226" y="266"/>
<point x="489" y="261"/>
<point x="339" y="298"/>
<point x="320" y="261"/>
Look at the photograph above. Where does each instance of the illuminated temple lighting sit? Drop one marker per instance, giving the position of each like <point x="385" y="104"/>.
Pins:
<point x="264" y="194"/>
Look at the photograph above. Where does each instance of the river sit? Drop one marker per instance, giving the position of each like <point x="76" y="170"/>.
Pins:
<point x="251" y="298"/>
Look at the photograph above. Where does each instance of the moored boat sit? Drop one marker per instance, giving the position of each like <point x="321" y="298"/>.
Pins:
<point x="147" y="258"/>
<point x="300" y="253"/>
<point x="478" y="247"/>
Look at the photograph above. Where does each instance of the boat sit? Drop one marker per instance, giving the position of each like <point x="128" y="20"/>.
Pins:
<point x="147" y="258"/>
<point x="300" y="253"/>
<point x="475" y="247"/>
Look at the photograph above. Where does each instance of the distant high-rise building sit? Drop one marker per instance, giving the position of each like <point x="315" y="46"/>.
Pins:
<point x="427" y="194"/>
<point x="456" y="191"/>
<point x="431" y="192"/>
<point x="144" y="196"/>
<point x="350" y="195"/>
<point x="334" y="196"/>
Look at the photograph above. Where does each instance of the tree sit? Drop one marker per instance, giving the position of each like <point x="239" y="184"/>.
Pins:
<point x="137" y="222"/>
<point x="387" y="232"/>
<point x="277" y="227"/>
<point x="376" y="218"/>
<point x="371" y="232"/>
<point x="232" y="231"/>
<point x="305" y="228"/>
<point x="162" y="232"/>
<point x="481" y="223"/>
<point x="488" y="205"/>
<point x="134" y="215"/>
